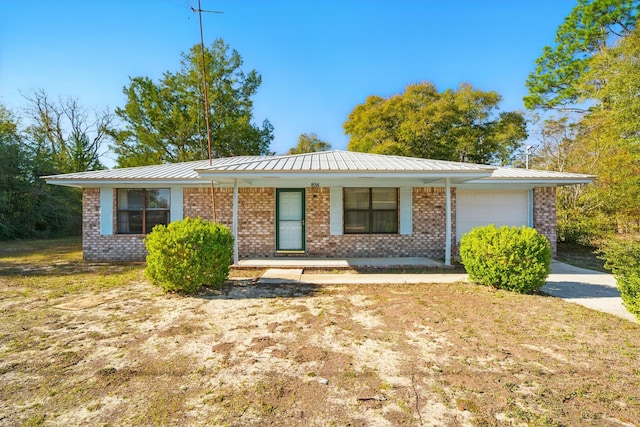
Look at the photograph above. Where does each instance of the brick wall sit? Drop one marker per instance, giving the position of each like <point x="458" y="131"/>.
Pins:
<point x="428" y="238"/>
<point x="256" y="215"/>
<point x="256" y="225"/>
<point x="98" y="248"/>
<point x="544" y="214"/>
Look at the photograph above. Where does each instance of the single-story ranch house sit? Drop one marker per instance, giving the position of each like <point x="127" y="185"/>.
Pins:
<point x="325" y="204"/>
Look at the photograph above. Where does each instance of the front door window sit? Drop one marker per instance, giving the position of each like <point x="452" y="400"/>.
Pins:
<point x="290" y="220"/>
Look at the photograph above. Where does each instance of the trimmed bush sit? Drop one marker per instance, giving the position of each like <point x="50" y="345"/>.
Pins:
<point x="511" y="258"/>
<point x="188" y="254"/>
<point x="623" y="259"/>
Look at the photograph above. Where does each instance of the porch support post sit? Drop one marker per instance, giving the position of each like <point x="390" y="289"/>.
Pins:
<point x="447" y="210"/>
<point x="235" y="221"/>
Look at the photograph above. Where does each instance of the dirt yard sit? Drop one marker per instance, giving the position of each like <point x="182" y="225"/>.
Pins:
<point x="85" y="344"/>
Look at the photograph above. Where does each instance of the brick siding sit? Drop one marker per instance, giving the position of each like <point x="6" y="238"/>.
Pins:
<point x="544" y="214"/>
<point x="428" y="238"/>
<point x="256" y="225"/>
<point x="99" y="248"/>
<point x="256" y="215"/>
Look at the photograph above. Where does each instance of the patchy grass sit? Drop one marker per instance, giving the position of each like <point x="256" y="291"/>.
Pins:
<point x="55" y="268"/>
<point x="94" y="344"/>
<point x="580" y="256"/>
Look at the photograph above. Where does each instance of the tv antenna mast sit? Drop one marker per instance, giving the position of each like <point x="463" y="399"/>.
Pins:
<point x="204" y="76"/>
<point x="206" y="102"/>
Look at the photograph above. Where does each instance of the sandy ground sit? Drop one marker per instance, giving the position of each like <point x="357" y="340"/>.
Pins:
<point x="249" y="354"/>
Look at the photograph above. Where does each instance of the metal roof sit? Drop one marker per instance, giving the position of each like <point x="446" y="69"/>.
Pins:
<point x="338" y="163"/>
<point x="343" y="161"/>
<point x="511" y="174"/>
<point x="172" y="171"/>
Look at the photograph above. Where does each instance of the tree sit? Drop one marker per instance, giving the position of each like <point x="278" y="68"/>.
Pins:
<point x="14" y="185"/>
<point x="64" y="135"/>
<point x="560" y="150"/>
<point x="591" y="27"/>
<point x="165" y="121"/>
<point x="605" y="142"/>
<point x="28" y="206"/>
<point x="458" y="125"/>
<point x="309" y="143"/>
<point x="611" y="131"/>
<point x="556" y="150"/>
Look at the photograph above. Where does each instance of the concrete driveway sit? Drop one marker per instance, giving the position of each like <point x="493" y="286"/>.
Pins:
<point x="592" y="289"/>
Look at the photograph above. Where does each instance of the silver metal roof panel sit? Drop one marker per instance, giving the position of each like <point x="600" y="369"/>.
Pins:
<point x="327" y="162"/>
<point x="342" y="161"/>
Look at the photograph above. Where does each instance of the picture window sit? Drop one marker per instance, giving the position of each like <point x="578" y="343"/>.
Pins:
<point x="370" y="210"/>
<point x="139" y="210"/>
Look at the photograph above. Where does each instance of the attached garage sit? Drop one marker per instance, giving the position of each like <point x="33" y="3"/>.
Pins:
<point x="500" y="207"/>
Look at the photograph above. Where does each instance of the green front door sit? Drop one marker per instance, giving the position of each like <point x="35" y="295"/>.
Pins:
<point x="290" y="220"/>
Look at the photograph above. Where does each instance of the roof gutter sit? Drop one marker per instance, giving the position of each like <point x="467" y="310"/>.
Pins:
<point x="536" y="181"/>
<point x="137" y="182"/>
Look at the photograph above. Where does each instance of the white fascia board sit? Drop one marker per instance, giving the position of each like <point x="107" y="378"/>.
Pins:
<point x="547" y="182"/>
<point x="498" y="186"/>
<point x="70" y="183"/>
<point x="129" y="183"/>
<point x="319" y="182"/>
<point x="301" y="179"/>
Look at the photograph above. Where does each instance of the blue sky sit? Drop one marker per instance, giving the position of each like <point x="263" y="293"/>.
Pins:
<point x="318" y="59"/>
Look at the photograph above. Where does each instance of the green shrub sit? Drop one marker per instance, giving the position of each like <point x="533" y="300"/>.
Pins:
<point x="582" y="229"/>
<point x="511" y="258"/>
<point x="188" y="254"/>
<point x="623" y="259"/>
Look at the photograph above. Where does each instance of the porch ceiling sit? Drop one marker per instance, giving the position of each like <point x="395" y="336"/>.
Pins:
<point x="302" y="180"/>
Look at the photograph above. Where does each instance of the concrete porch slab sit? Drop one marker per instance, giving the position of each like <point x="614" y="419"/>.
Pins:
<point x="394" y="262"/>
<point x="338" y="263"/>
<point x="281" y="275"/>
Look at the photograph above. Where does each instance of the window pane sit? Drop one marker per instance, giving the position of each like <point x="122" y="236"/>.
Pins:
<point x="385" y="222"/>
<point x="157" y="199"/>
<point x="290" y="205"/>
<point x="356" y="198"/>
<point x="385" y="198"/>
<point x="139" y="210"/>
<point x="290" y="235"/>
<point x="130" y="222"/>
<point x="130" y="199"/>
<point x="156" y="217"/>
<point x="356" y="222"/>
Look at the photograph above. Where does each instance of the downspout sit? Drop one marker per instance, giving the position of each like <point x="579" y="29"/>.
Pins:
<point x="447" y="210"/>
<point x="235" y="222"/>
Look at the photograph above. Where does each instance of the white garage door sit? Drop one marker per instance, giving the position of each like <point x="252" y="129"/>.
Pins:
<point x="476" y="208"/>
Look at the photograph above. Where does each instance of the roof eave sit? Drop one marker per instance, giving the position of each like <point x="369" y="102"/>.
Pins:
<point x="536" y="181"/>
<point x="97" y="182"/>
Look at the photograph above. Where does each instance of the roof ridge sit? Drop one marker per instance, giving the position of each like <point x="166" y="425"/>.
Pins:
<point x="255" y="159"/>
<point x="420" y="159"/>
